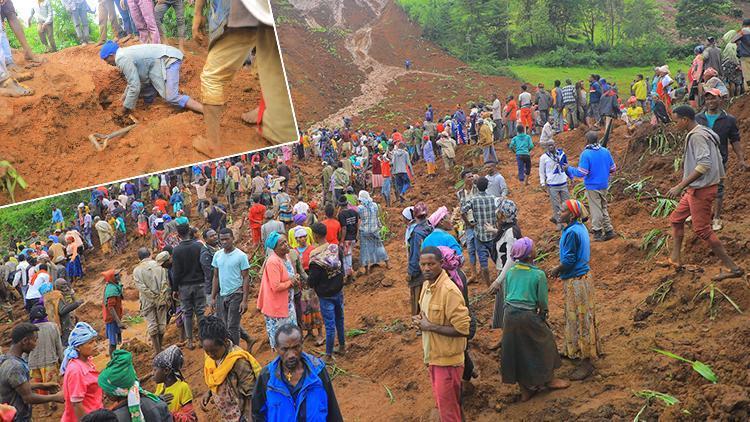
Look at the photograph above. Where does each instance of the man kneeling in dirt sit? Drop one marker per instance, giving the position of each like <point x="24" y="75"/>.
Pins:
<point x="149" y="69"/>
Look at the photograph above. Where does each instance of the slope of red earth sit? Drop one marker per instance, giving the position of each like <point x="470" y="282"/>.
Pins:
<point x="45" y="136"/>
<point x="388" y="356"/>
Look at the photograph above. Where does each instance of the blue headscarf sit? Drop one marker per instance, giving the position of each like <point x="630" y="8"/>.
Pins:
<point x="273" y="240"/>
<point x="81" y="334"/>
<point x="109" y="48"/>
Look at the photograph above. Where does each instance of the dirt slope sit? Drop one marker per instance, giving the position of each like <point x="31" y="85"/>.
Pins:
<point x="363" y="54"/>
<point x="46" y="136"/>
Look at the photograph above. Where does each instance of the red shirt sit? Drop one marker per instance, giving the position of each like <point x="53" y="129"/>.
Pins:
<point x="112" y="302"/>
<point x="385" y="168"/>
<point x="161" y="204"/>
<point x="440" y="127"/>
<point x="81" y="384"/>
<point x="333" y="228"/>
<point x="512" y="109"/>
<point x="397" y="137"/>
<point x="256" y="214"/>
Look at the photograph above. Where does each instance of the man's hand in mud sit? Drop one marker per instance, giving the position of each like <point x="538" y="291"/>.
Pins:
<point x="197" y="34"/>
<point x="122" y="112"/>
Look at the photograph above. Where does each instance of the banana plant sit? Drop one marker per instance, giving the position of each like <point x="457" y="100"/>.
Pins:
<point x="9" y="179"/>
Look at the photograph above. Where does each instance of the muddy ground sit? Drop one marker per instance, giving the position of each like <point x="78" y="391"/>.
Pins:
<point x="388" y="355"/>
<point x="45" y="136"/>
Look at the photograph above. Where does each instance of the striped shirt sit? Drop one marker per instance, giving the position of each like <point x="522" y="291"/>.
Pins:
<point x="569" y="94"/>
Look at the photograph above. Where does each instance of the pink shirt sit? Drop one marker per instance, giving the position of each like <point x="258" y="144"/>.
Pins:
<point x="273" y="297"/>
<point x="80" y="385"/>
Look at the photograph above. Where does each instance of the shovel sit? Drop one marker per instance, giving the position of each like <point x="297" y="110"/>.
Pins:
<point x="100" y="141"/>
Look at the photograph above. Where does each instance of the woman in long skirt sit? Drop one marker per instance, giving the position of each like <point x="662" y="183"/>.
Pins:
<point x="74" y="268"/>
<point x="529" y="355"/>
<point x="276" y="296"/>
<point x="371" y="246"/>
<point x="506" y="235"/>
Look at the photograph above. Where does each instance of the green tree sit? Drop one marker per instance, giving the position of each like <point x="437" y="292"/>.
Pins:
<point x="698" y="19"/>
<point x="641" y="17"/>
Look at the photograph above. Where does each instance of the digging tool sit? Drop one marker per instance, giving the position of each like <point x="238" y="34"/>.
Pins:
<point x="100" y="141"/>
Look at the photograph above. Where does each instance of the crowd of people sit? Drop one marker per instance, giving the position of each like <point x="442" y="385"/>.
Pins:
<point x="304" y="234"/>
<point x="150" y="67"/>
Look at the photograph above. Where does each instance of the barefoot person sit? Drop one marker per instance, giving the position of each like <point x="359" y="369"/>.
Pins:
<point x="582" y="340"/>
<point x="529" y="355"/>
<point x="703" y="171"/>
<point x="149" y="69"/>
<point x="235" y="27"/>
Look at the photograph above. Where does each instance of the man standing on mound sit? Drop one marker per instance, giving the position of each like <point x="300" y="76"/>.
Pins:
<point x="235" y="28"/>
<point x="149" y="69"/>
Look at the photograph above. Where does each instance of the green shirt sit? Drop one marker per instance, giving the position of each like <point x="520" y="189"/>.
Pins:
<point x="522" y="144"/>
<point x="526" y="285"/>
<point x="154" y="182"/>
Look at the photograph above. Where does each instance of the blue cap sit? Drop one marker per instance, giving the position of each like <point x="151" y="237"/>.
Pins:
<point x="109" y="48"/>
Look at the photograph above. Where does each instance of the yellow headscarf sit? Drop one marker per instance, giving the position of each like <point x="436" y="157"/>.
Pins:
<point x="215" y="376"/>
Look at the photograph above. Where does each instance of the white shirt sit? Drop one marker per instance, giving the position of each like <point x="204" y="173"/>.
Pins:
<point x="524" y="100"/>
<point x="496" y="109"/>
<point x="301" y="208"/>
<point x="550" y="172"/>
<point x="33" y="291"/>
<point x="21" y="278"/>
<point x="547" y="133"/>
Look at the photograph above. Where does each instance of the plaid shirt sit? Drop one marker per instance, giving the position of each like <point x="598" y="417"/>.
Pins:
<point x="484" y="209"/>
<point x="569" y="94"/>
<point x="369" y="218"/>
<point x="463" y="198"/>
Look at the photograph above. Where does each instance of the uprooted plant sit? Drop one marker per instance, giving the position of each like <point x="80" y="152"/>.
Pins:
<point x="664" y="206"/>
<point x="704" y="370"/>
<point x="650" y="396"/>
<point x="660" y="292"/>
<point x="710" y="290"/>
<point x="654" y="242"/>
<point x="10" y="179"/>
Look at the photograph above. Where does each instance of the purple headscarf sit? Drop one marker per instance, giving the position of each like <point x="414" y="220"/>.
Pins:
<point x="451" y="263"/>
<point x="521" y="249"/>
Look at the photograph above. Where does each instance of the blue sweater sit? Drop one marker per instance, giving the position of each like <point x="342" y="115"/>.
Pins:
<point x="440" y="237"/>
<point x="575" y="251"/>
<point x="594" y="166"/>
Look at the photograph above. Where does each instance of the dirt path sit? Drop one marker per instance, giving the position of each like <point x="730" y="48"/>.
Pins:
<point x="379" y="75"/>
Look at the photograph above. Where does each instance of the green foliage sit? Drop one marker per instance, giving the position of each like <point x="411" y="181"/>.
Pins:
<point x="10" y="179"/>
<point x="664" y="206"/>
<point x="65" y="34"/>
<point x="64" y="31"/>
<point x="556" y="33"/>
<point x="21" y="220"/>
<point x="704" y="370"/>
<point x="711" y="290"/>
<point x="355" y="332"/>
<point x="697" y="19"/>
<point x="653" y="242"/>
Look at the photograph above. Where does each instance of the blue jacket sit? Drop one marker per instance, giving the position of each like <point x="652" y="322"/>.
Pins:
<point x="273" y="402"/>
<point x="575" y="251"/>
<point x="418" y="234"/>
<point x="594" y="166"/>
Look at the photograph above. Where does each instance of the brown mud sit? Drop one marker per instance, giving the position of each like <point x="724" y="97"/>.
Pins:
<point x="45" y="136"/>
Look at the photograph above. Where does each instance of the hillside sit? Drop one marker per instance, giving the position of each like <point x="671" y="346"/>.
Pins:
<point x="45" y="136"/>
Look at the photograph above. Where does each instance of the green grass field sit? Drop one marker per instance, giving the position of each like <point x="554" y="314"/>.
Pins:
<point x="623" y="75"/>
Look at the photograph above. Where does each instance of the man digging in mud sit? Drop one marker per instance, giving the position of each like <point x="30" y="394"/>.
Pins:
<point x="235" y="27"/>
<point x="149" y="69"/>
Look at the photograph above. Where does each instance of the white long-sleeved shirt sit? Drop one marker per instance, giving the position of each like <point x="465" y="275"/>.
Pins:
<point x="551" y="172"/>
<point x="547" y="133"/>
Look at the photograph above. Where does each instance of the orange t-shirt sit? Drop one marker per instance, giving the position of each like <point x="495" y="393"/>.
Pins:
<point x="385" y="168"/>
<point x="512" y="110"/>
<point x="333" y="227"/>
<point x="256" y="214"/>
<point x="161" y="204"/>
